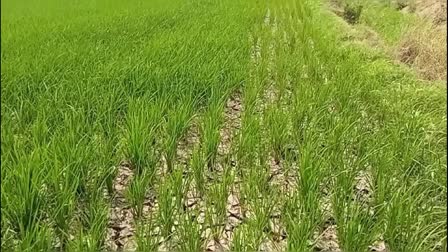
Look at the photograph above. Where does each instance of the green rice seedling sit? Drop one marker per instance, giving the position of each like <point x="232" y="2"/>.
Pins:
<point x="250" y="95"/>
<point x="355" y="227"/>
<point x="64" y="200"/>
<point x="197" y="164"/>
<point x="94" y="219"/>
<point x="108" y="161"/>
<point x="243" y="239"/>
<point x="401" y="221"/>
<point x="23" y="201"/>
<point x="178" y="119"/>
<point x="72" y="147"/>
<point x="277" y="123"/>
<point x="78" y="242"/>
<point x="217" y="203"/>
<point x="142" y="124"/>
<point x="257" y="178"/>
<point x="249" y="144"/>
<point x="190" y="233"/>
<point x="97" y="224"/>
<point x="256" y="186"/>
<point x="299" y="227"/>
<point x="407" y="227"/>
<point x="213" y="212"/>
<point x="262" y="207"/>
<point x="146" y="238"/>
<point x="306" y="202"/>
<point x="382" y="181"/>
<point x="248" y="140"/>
<point x="179" y="188"/>
<point x="310" y="172"/>
<point x="93" y="211"/>
<point x="40" y="132"/>
<point x="355" y="223"/>
<point x="210" y="132"/>
<point x="436" y="230"/>
<point x="36" y="238"/>
<point x="257" y="235"/>
<point x="137" y="191"/>
<point x="109" y="176"/>
<point x="166" y="213"/>
<point x="69" y="158"/>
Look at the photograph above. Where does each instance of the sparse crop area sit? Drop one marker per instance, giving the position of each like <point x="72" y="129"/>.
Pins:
<point x="204" y="125"/>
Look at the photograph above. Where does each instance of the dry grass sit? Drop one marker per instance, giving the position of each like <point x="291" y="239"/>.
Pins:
<point x="424" y="48"/>
<point x="433" y="10"/>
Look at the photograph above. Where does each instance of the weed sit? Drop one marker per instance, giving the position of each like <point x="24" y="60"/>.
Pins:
<point x="352" y="13"/>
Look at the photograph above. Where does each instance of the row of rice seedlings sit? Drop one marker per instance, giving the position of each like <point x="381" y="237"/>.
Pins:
<point x="169" y="197"/>
<point x="404" y="169"/>
<point x="355" y="222"/>
<point x="143" y="122"/>
<point x="156" y="226"/>
<point x="61" y="185"/>
<point x="262" y="197"/>
<point x="91" y="236"/>
<point x="256" y="197"/>
<point x="146" y="236"/>
<point x="197" y="164"/>
<point x="302" y="214"/>
<point x="137" y="192"/>
<point x="23" y="203"/>
<point x="352" y="239"/>
<point x="402" y="192"/>
<point x="211" y="124"/>
<point x="190" y="231"/>
<point x="178" y="119"/>
<point x="293" y="139"/>
<point x="216" y="203"/>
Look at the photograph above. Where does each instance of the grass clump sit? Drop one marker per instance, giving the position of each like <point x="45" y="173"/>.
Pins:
<point x="352" y="12"/>
<point x="424" y="48"/>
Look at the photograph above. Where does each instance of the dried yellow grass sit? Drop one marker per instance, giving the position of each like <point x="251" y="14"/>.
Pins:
<point x="424" y="48"/>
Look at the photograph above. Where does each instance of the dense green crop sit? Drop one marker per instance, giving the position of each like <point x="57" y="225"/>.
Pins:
<point x="193" y="125"/>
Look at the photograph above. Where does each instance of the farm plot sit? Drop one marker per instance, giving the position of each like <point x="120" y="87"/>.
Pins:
<point x="212" y="126"/>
